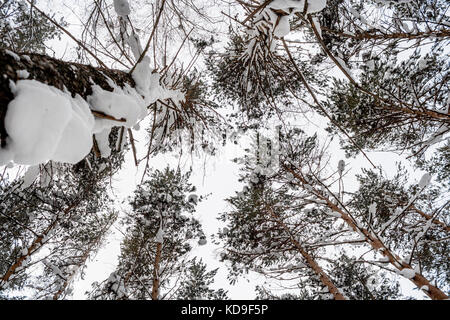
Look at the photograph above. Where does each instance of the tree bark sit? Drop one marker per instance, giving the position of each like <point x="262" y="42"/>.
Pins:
<point x="82" y="262"/>
<point x="419" y="280"/>
<point x="74" y="77"/>
<point x="310" y="261"/>
<point x="155" y="289"/>
<point x="32" y="248"/>
<point x="428" y="217"/>
<point x="388" y="36"/>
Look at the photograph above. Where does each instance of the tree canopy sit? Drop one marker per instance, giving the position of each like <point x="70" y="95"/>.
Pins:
<point x="308" y="93"/>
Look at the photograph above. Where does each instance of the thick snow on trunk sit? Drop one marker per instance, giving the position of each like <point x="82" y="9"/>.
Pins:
<point x="50" y="116"/>
<point x="45" y="123"/>
<point x="122" y="7"/>
<point x="298" y="5"/>
<point x="120" y="104"/>
<point x="148" y="85"/>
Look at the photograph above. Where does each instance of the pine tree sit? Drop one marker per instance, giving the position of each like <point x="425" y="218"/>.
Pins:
<point x="160" y="234"/>
<point x="272" y="230"/>
<point x="377" y="70"/>
<point x="196" y="283"/>
<point x="23" y="29"/>
<point x="411" y="219"/>
<point x="57" y="208"/>
<point x="398" y="100"/>
<point x="336" y="207"/>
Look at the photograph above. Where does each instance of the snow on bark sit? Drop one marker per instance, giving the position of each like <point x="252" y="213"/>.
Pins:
<point x="142" y="76"/>
<point x="408" y="273"/>
<point x="135" y="44"/>
<point x="148" y="85"/>
<point x="53" y="115"/>
<point x="122" y="7"/>
<point x="317" y="26"/>
<point x="272" y="21"/>
<point x="67" y="84"/>
<point x="159" y="238"/>
<point x="122" y="104"/>
<point x="44" y="124"/>
<point x="298" y="6"/>
<point x="425" y="180"/>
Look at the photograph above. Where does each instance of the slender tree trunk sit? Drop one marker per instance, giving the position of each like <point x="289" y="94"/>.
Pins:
<point x="84" y="257"/>
<point x="156" y="265"/>
<point x="311" y="262"/>
<point x="74" y="77"/>
<point x="395" y="35"/>
<point x="428" y="217"/>
<point x="32" y="248"/>
<point x="419" y="280"/>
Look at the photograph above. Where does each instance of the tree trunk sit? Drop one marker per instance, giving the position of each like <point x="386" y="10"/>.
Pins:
<point x="155" y="289"/>
<point x="310" y="261"/>
<point x="83" y="260"/>
<point x="428" y="217"/>
<point x="32" y="248"/>
<point x="420" y="281"/>
<point x="73" y="77"/>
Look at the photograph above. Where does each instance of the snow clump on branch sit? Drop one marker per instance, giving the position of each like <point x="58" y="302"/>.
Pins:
<point x="45" y="123"/>
<point x="122" y="7"/>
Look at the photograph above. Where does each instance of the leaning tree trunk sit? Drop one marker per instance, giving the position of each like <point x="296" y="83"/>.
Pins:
<point x="85" y="256"/>
<point x="73" y="77"/>
<point x="155" y="289"/>
<point x="372" y="239"/>
<point x="310" y="261"/>
<point x="37" y="243"/>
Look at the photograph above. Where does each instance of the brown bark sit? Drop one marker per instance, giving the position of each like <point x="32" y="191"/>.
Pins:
<point x="74" y="77"/>
<point x="428" y="217"/>
<point x="420" y="281"/>
<point x="390" y="36"/>
<point x="310" y="261"/>
<point x="156" y="265"/>
<point x="36" y="242"/>
<point x="32" y="248"/>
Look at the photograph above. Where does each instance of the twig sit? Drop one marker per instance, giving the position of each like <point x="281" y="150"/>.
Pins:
<point x="68" y="33"/>
<point x="147" y="46"/>
<point x="102" y="115"/>
<point x="302" y="78"/>
<point x="133" y="147"/>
